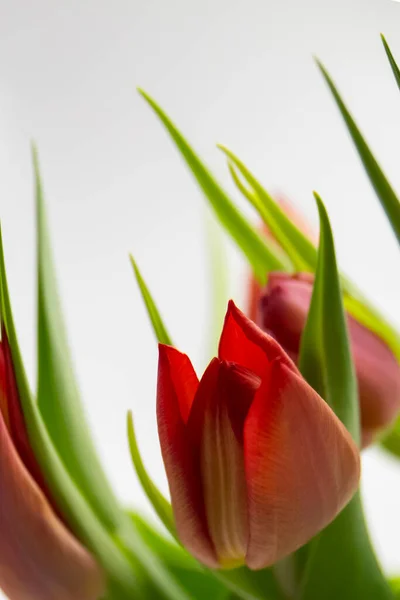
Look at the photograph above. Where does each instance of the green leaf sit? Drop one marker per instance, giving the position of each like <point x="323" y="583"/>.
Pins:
<point x="340" y="561"/>
<point x="159" y="328"/>
<point x="69" y="499"/>
<point x="156" y="498"/>
<point x="199" y="581"/>
<point x="248" y="585"/>
<point x="297" y="246"/>
<point x="383" y="189"/>
<point x="58" y="396"/>
<point x="325" y="357"/>
<point x="260" y="256"/>
<point x="393" y="64"/>
<point x="219" y="284"/>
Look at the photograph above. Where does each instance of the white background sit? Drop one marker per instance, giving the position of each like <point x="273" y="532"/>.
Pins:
<point x="234" y="71"/>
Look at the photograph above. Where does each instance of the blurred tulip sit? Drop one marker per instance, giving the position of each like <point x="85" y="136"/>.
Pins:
<point x="283" y="310"/>
<point x="257" y="462"/>
<point x="40" y="559"/>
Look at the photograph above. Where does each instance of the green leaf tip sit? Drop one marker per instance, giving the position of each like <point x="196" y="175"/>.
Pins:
<point x="388" y="198"/>
<point x="160" y="504"/>
<point x="58" y="395"/>
<point x="392" y="61"/>
<point x="251" y="243"/>
<point x="159" y="328"/>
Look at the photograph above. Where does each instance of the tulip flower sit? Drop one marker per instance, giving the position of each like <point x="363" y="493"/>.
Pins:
<point x="40" y="559"/>
<point x="257" y="462"/>
<point x="283" y="311"/>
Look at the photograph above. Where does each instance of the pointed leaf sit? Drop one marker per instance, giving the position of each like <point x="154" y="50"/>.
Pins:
<point x="69" y="499"/>
<point x="383" y="189"/>
<point x="393" y="64"/>
<point x="340" y="562"/>
<point x="260" y="256"/>
<point x="159" y="328"/>
<point x="297" y="246"/>
<point x="58" y="395"/>
<point x="156" y="498"/>
<point x="219" y="284"/>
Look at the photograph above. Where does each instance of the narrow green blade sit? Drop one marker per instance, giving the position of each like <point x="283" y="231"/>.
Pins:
<point x="69" y="499"/>
<point x="219" y="285"/>
<point x="159" y="328"/>
<point x="383" y="189"/>
<point x="199" y="581"/>
<point x="297" y="246"/>
<point x="393" y="64"/>
<point x="58" y="396"/>
<point x="340" y="562"/>
<point x="256" y="249"/>
<point x="156" y="498"/>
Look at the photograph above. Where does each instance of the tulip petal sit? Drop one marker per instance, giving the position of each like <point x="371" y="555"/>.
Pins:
<point x="302" y="467"/>
<point x="13" y="412"/>
<point x="177" y="384"/>
<point x="39" y="558"/>
<point x="247" y="345"/>
<point x="215" y="426"/>
<point x="378" y="374"/>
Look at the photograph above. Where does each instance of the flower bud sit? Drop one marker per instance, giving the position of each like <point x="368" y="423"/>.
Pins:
<point x="283" y="310"/>
<point x="257" y="462"/>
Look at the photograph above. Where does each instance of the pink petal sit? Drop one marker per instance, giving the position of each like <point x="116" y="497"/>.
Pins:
<point x="39" y="558"/>
<point x="302" y="466"/>
<point x="175" y="389"/>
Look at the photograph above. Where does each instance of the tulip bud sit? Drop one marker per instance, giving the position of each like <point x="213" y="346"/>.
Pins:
<point x="257" y="462"/>
<point x="40" y="559"/>
<point x="283" y="310"/>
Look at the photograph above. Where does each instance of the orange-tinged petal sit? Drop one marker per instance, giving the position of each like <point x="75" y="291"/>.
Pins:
<point x="247" y="345"/>
<point x="175" y="389"/>
<point x="302" y="467"/>
<point x="39" y="558"/>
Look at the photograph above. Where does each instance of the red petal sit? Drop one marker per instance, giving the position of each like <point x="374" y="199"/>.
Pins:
<point x="175" y="390"/>
<point x="302" y="466"/>
<point x="215" y="426"/>
<point x="244" y="343"/>
<point x="14" y="418"/>
<point x="3" y="385"/>
<point x="39" y="558"/>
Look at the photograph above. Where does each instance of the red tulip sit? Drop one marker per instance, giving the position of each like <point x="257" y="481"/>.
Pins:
<point x="40" y="559"/>
<point x="283" y="309"/>
<point x="257" y="462"/>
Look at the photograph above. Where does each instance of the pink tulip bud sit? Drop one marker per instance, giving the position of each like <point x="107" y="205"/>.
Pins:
<point x="40" y="559"/>
<point x="257" y="462"/>
<point x="283" y="310"/>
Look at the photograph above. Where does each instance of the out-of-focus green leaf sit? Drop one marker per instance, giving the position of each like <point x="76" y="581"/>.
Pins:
<point x="393" y="64"/>
<point x="69" y="499"/>
<point x="383" y="189"/>
<point x="340" y="561"/>
<point x="219" y="284"/>
<point x="303" y="253"/>
<point x="156" y="498"/>
<point x="297" y="246"/>
<point x="159" y="328"/>
<point x="58" y="395"/>
<point x="260" y="256"/>
<point x="243" y="583"/>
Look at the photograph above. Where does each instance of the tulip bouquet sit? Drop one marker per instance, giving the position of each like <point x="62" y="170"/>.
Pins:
<point x="262" y="452"/>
